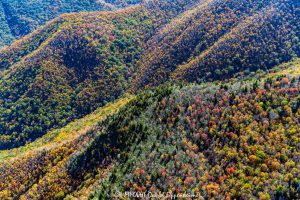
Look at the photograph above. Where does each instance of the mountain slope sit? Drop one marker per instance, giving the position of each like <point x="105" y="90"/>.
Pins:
<point x="234" y="139"/>
<point x="267" y="38"/>
<point x="19" y="18"/>
<point x="220" y="38"/>
<point x="71" y="66"/>
<point x="79" y="62"/>
<point x="5" y="35"/>
<point x="233" y="133"/>
<point x="23" y="168"/>
<point x="70" y="74"/>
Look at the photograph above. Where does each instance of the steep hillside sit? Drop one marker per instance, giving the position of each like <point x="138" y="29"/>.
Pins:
<point x="18" y="18"/>
<point x="71" y="66"/>
<point x="234" y="139"/>
<point x="45" y="159"/>
<point x="218" y="38"/>
<point x="84" y="64"/>
<point x="172" y="97"/>
<point x="79" y="62"/>
<point x="5" y="35"/>
<point x="262" y="41"/>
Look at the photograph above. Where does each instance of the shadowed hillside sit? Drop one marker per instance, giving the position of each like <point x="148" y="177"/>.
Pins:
<point x="224" y="140"/>
<point x="18" y="18"/>
<point x="172" y="97"/>
<point x="71" y="66"/>
<point x="95" y="57"/>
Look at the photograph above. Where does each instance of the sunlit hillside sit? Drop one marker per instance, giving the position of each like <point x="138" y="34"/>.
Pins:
<point x="175" y="98"/>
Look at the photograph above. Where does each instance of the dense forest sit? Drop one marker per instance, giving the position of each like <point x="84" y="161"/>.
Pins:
<point x="79" y="62"/>
<point x="219" y="38"/>
<point x="71" y="66"/>
<point x="236" y="139"/>
<point x="171" y="97"/>
<point x="18" y="18"/>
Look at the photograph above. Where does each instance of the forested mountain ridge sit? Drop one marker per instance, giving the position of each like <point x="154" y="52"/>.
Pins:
<point x="262" y="41"/>
<point x="79" y="62"/>
<point x="19" y="18"/>
<point x="73" y="65"/>
<point x="220" y="38"/>
<point x="233" y="139"/>
<point x="166" y="96"/>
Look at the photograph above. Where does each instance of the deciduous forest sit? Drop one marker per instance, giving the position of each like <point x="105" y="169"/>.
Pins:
<point x="169" y="97"/>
